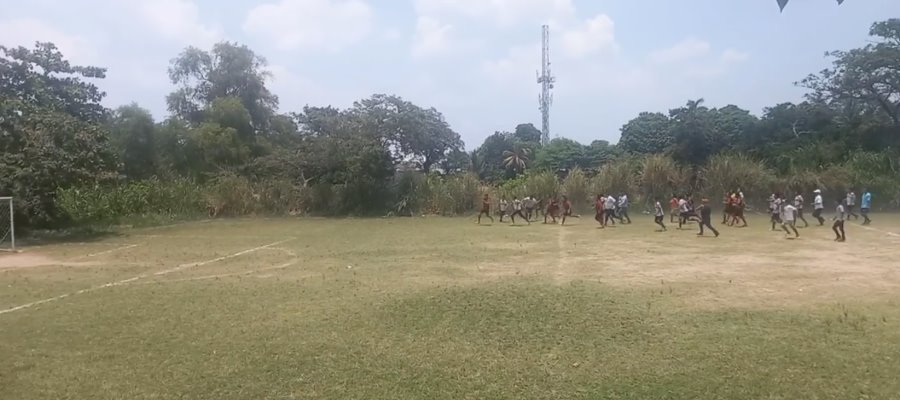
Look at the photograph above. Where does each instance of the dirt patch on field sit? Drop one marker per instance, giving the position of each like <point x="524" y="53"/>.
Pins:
<point x="30" y="260"/>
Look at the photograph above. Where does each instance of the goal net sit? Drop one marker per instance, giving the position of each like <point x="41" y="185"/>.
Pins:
<point x="7" y="230"/>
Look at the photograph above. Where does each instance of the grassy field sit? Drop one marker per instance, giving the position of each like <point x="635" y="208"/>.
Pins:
<point x="436" y="308"/>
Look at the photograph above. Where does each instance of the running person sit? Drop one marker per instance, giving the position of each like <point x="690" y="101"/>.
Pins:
<point x="798" y="204"/>
<point x="673" y="209"/>
<point x="552" y="210"/>
<point x="567" y="210"/>
<point x="788" y="220"/>
<point x="517" y="210"/>
<point x="504" y="207"/>
<point x="706" y="218"/>
<point x="775" y="204"/>
<point x="818" y="207"/>
<point x="623" y="208"/>
<point x="659" y="215"/>
<point x="485" y="208"/>
<point x="684" y="211"/>
<point x="609" y="209"/>
<point x="838" y="227"/>
<point x="851" y="203"/>
<point x="530" y="203"/>
<point x="865" y="206"/>
<point x="598" y="211"/>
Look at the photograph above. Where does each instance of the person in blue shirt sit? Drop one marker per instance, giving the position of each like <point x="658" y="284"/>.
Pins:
<point x="865" y="205"/>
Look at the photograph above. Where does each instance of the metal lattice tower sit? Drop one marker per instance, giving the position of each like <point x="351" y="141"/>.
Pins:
<point x="546" y="79"/>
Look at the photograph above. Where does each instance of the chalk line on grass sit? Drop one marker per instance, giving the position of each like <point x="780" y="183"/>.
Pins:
<point x="142" y="276"/>
<point x="889" y="233"/>
<point x="208" y="277"/>
<point x="100" y="253"/>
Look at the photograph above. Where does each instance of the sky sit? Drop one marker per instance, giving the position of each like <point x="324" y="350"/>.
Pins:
<point x="473" y="60"/>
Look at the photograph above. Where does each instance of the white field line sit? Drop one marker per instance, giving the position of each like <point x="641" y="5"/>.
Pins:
<point x="126" y="247"/>
<point x="215" y="260"/>
<point x="869" y="228"/>
<point x="208" y="277"/>
<point x="142" y="276"/>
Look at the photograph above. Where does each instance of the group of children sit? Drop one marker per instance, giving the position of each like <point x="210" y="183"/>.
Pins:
<point x="610" y="208"/>
<point x="784" y="213"/>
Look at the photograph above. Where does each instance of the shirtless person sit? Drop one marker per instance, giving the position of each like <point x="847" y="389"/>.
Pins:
<point x="598" y="210"/>
<point x="485" y="208"/>
<point x="552" y="210"/>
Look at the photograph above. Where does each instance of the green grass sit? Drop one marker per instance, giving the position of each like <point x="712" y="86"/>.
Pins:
<point x="444" y="309"/>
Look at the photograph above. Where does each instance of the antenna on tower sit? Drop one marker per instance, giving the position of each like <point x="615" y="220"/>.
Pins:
<point x="546" y="79"/>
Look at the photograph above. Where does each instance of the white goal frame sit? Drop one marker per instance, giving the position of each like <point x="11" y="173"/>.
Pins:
<point x="12" y="225"/>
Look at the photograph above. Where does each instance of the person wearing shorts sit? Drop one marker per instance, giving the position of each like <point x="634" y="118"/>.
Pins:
<point x="865" y="206"/>
<point x="840" y="215"/>
<point x="504" y="207"/>
<point x="659" y="215"/>
<point x="851" y="204"/>
<point x="798" y="204"/>
<point x="673" y="209"/>
<point x="517" y="210"/>
<point x="818" y="207"/>
<point x="598" y="210"/>
<point x="485" y="209"/>
<point x="788" y="220"/>
<point x="706" y="218"/>
<point x="609" y="209"/>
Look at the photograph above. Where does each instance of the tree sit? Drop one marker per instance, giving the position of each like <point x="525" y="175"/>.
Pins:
<point x="132" y="138"/>
<point x="416" y="134"/>
<point x="528" y="133"/>
<point x="649" y="133"/>
<point x="516" y="159"/>
<point x="52" y="134"/>
<point x="562" y="154"/>
<point x="691" y="129"/>
<point x="488" y="158"/>
<point x="870" y="74"/>
<point x="229" y="70"/>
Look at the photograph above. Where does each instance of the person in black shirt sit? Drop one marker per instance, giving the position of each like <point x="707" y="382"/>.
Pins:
<point x="706" y="218"/>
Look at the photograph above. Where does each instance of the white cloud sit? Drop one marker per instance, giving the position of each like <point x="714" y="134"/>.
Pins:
<point x="731" y="56"/>
<point x="595" y="34"/>
<point x="25" y="32"/>
<point x="518" y="67"/>
<point x="505" y="12"/>
<point x="326" y="24"/>
<point x="432" y="38"/>
<point x="178" y="20"/>
<point x="686" y="50"/>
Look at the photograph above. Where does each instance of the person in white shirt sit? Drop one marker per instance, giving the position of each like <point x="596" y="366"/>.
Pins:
<point x="839" y="217"/>
<point x="684" y="207"/>
<point x="609" y="209"/>
<point x="851" y="203"/>
<point x="623" y="208"/>
<point x="775" y="205"/>
<point x="504" y="207"/>
<point x="517" y="210"/>
<point x="659" y="215"/>
<point x="529" y="203"/>
<point x="788" y="220"/>
<point x="818" y="207"/>
<point x="798" y="204"/>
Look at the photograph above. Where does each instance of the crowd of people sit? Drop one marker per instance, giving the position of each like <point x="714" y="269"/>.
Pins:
<point x="683" y="210"/>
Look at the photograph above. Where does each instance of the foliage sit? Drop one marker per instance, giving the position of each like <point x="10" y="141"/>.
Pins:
<point x="729" y="172"/>
<point x="649" y="133"/>
<point x="661" y="176"/>
<point x="51" y="129"/>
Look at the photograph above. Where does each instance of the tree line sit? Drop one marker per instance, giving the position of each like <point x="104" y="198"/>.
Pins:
<point x="226" y="148"/>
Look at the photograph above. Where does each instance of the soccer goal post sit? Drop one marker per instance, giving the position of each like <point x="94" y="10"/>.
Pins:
<point x="7" y="227"/>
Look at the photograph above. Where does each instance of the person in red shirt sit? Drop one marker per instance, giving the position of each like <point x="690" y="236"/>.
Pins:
<point x="598" y="210"/>
<point x="552" y="210"/>
<point x="673" y="209"/>
<point x="485" y="208"/>
<point x="567" y="209"/>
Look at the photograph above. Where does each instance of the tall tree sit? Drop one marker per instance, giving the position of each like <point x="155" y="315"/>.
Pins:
<point x="51" y="128"/>
<point x="691" y="129"/>
<point x="516" y="159"/>
<point x="132" y="137"/>
<point x="528" y="133"/>
<point x="416" y="134"/>
<point x="228" y="70"/>
<point x="649" y="133"/>
<point x="870" y="74"/>
<point x="562" y="154"/>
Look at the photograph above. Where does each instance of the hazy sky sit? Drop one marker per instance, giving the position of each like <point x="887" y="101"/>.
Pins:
<point x="474" y="60"/>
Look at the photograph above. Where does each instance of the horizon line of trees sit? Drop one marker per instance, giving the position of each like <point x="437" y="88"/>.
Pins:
<point x="225" y="137"/>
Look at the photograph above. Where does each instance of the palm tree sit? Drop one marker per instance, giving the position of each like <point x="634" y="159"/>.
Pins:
<point x="516" y="159"/>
